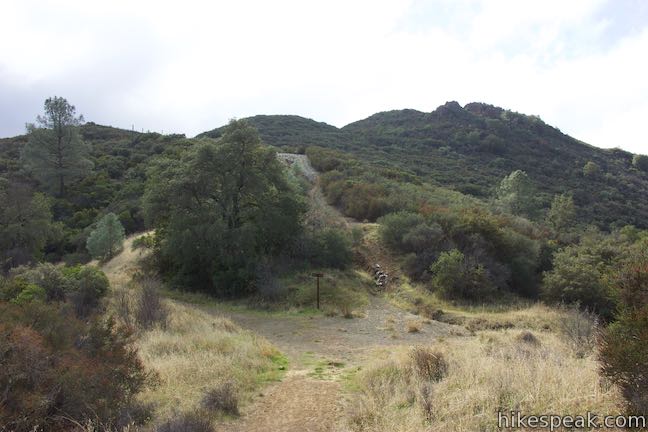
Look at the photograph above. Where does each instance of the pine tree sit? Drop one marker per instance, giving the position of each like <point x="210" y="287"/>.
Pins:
<point x="107" y="239"/>
<point x="562" y="212"/>
<point x="55" y="153"/>
<point x="515" y="194"/>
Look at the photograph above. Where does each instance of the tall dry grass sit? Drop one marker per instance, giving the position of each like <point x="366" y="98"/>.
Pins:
<point x="493" y="371"/>
<point x="192" y="351"/>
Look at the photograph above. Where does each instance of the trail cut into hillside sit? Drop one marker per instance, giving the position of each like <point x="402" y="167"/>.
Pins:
<point x="323" y="352"/>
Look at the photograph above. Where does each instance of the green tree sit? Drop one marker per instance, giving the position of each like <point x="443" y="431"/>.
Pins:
<point x="25" y="224"/>
<point x="457" y="277"/>
<point x="624" y="344"/>
<point x="562" y="212"/>
<point x="640" y="162"/>
<point x="515" y="194"/>
<point x="581" y="274"/>
<point x="591" y="170"/>
<point x="221" y="208"/>
<point x="55" y="153"/>
<point x="107" y="238"/>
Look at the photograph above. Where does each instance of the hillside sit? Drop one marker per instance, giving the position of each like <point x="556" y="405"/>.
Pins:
<point x="119" y="158"/>
<point x="471" y="148"/>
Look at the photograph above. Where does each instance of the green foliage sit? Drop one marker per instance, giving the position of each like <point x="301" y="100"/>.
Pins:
<point x="219" y="209"/>
<point x="581" y="274"/>
<point x="144" y="242"/>
<point x="515" y="194"/>
<point x="47" y="276"/>
<point x="456" y="277"/>
<point x="640" y="162"/>
<point x="592" y="170"/>
<point x="624" y="344"/>
<point x="562" y="213"/>
<point x="107" y="239"/>
<point x="82" y="287"/>
<point x="25" y="225"/>
<point x="470" y="149"/>
<point x="331" y="248"/>
<point x="87" y="287"/>
<point x="396" y="226"/>
<point x="55" y="153"/>
<point x="30" y="293"/>
<point x="61" y="372"/>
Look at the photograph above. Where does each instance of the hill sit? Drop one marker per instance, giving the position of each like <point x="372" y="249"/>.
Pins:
<point x="116" y="184"/>
<point x="471" y="148"/>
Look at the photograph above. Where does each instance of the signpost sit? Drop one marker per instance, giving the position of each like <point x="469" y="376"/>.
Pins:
<point x="318" y="276"/>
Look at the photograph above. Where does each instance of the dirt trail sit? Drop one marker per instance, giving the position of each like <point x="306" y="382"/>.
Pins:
<point x="322" y="351"/>
<point x="121" y="268"/>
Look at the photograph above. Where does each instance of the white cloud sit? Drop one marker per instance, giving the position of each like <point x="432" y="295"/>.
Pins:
<point x="189" y="66"/>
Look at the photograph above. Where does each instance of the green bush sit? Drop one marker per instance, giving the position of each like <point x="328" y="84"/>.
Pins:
<point x="30" y="293"/>
<point x="394" y="227"/>
<point x="640" y="162"/>
<point x="88" y="285"/>
<point x="580" y="275"/>
<point x="47" y="276"/>
<point x="624" y="344"/>
<point x="456" y="277"/>
<point x="332" y="248"/>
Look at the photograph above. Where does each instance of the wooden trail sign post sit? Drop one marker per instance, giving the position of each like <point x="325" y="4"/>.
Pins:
<point x="318" y="276"/>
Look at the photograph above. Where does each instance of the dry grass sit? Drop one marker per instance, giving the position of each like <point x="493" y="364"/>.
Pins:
<point x="497" y="370"/>
<point x="194" y="353"/>
<point x="198" y="352"/>
<point x="413" y="326"/>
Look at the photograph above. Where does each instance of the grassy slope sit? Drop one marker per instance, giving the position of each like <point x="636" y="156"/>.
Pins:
<point x="196" y="351"/>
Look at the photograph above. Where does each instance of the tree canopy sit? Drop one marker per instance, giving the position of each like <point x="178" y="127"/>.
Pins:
<point x="107" y="238"/>
<point x="25" y="224"/>
<point x="515" y="193"/>
<point x="220" y="208"/>
<point x="55" y="153"/>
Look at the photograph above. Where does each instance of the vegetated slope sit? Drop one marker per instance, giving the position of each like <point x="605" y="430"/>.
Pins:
<point x="471" y="148"/>
<point x="120" y="159"/>
<point x="291" y="131"/>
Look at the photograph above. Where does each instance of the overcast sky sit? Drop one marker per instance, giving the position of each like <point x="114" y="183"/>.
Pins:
<point x="189" y="66"/>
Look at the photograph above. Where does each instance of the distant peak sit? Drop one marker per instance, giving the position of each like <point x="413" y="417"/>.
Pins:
<point x="484" y="109"/>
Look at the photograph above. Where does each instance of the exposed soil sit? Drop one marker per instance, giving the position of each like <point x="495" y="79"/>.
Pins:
<point x="322" y="351"/>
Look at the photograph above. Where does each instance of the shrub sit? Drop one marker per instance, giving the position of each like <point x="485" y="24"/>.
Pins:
<point x="48" y="277"/>
<point x="624" y="357"/>
<point x="150" y="310"/>
<point x="413" y="326"/>
<point x="640" y="162"/>
<point x="60" y="371"/>
<point x="332" y="248"/>
<point x="30" y="293"/>
<point x="591" y="170"/>
<point x="624" y="344"/>
<point x="146" y="241"/>
<point x="223" y="398"/>
<point x="456" y="277"/>
<point x="429" y="365"/>
<point x="579" y="327"/>
<point x="395" y="226"/>
<point x="190" y="422"/>
<point x="88" y="285"/>
<point x="579" y="277"/>
<point x="528" y="338"/>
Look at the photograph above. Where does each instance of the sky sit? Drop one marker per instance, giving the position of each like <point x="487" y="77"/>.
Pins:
<point x="190" y="66"/>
